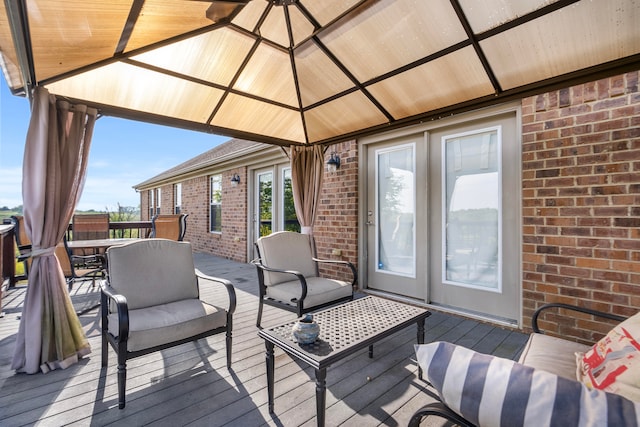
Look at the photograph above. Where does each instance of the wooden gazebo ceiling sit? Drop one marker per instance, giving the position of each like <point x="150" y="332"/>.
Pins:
<point x="309" y="71"/>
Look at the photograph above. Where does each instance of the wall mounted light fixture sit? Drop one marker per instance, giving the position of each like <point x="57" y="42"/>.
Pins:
<point x="235" y="179"/>
<point x="333" y="164"/>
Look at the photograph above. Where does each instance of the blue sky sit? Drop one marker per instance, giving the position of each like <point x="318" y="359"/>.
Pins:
<point x="123" y="154"/>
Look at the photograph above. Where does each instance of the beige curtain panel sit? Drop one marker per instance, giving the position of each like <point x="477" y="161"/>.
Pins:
<point x="307" y="165"/>
<point x="55" y="162"/>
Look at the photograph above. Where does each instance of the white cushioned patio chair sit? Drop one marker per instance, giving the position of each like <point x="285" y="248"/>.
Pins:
<point x="152" y="302"/>
<point x="288" y="275"/>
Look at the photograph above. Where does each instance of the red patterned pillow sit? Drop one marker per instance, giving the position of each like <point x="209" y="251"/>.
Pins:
<point x="613" y="363"/>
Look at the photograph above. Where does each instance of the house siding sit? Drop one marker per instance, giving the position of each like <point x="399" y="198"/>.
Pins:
<point x="581" y="201"/>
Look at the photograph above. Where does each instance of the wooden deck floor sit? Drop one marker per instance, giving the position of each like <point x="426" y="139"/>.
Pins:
<point x="190" y="385"/>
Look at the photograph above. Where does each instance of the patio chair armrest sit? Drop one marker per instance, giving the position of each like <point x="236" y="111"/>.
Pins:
<point x="303" y="281"/>
<point x="24" y="253"/>
<point x="108" y="296"/>
<point x="347" y="263"/>
<point x="24" y="248"/>
<point x="204" y="278"/>
<point x="438" y="409"/>
<point x="258" y="263"/>
<point x="597" y="313"/>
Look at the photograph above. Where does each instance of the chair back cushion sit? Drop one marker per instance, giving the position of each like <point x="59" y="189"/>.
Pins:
<point x="286" y="250"/>
<point x="169" y="226"/>
<point x="152" y="272"/>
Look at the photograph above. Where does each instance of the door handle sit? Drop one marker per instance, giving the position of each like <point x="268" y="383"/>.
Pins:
<point x="370" y="218"/>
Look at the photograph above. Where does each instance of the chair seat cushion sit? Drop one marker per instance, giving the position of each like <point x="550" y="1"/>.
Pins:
<point x="162" y="324"/>
<point x="552" y="354"/>
<point x="320" y="290"/>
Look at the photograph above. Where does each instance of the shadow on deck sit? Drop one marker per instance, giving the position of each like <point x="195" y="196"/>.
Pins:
<point x="190" y="385"/>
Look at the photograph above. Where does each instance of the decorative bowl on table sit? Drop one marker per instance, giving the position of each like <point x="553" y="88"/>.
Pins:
<point x="305" y="330"/>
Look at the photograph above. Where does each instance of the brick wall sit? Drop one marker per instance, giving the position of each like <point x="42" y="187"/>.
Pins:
<point x="581" y="201"/>
<point x="336" y="224"/>
<point x="168" y="200"/>
<point x="144" y="205"/>
<point x="195" y="203"/>
<point x="232" y="242"/>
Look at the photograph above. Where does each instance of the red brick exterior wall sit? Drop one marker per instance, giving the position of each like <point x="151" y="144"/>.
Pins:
<point x="581" y="201"/>
<point x="144" y="205"/>
<point x="336" y="224"/>
<point x="232" y="242"/>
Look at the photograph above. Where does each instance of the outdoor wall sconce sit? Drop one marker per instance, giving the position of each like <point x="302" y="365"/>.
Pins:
<point x="235" y="179"/>
<point x="333" y="164"/>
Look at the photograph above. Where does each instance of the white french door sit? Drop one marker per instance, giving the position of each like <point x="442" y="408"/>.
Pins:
<point x="442" y="215"/>
<point x="273" y="208"/>
<point x="474" y="218"/>
<point x="393" y="248"/>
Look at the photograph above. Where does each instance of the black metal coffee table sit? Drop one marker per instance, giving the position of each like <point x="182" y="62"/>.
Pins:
<point x="344" y="330"/>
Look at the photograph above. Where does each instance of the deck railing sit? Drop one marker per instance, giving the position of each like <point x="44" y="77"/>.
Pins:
<point x="121" y="229"/>
<point x="129" y="229"/>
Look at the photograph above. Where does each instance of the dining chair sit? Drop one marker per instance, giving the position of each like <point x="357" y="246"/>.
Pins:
<point x="89" y="227"/>
<point x="23" y="243"/>
<point x="77" y="267"/>
<point x="169" y="226"/>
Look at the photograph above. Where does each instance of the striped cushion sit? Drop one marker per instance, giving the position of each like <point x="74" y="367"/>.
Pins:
<point x="492" y="391"/>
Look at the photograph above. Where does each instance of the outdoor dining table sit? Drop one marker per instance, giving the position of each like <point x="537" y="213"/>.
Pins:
<point x="98" y="243"/>
<point x="344" y="330"/>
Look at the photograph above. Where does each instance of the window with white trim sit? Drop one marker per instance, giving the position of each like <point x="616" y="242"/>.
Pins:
<point x="215" y="202"/>
<point x="158" y="198"/>
<point x="177" y="198"/>
<point x="152" y="208"/>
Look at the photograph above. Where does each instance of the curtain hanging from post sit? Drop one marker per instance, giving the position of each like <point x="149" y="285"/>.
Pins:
<point x="307" y="169"/>
<point x="54" y="169"/>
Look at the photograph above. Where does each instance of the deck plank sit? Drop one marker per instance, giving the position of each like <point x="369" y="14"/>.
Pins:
<point x="190" y="384"/>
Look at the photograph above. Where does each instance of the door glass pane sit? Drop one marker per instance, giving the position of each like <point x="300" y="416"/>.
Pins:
<point x="471" y="216"/>
<point x="265" y="203"/>
<point x="215" y="202"/>
<point x="396" y="211"/>
<point x="289" y="211"/>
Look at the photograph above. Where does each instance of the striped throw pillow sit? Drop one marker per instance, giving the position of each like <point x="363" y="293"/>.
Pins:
<point x="492" y="391"/>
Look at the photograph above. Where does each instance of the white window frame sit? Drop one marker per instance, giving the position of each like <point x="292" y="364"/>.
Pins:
<point x="445" y="138"/>
<point x="215" y="179"/>
<point x="152" y="207"/>
<point x="177" y="198"/>
<point x="400" y="147"/>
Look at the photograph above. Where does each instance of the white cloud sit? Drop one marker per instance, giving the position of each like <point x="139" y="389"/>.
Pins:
<point x="103" y="191"/>
<point x="107" y="192"/>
